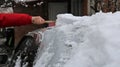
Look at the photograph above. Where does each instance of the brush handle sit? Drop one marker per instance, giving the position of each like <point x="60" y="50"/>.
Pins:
<point x="48" y="21"/>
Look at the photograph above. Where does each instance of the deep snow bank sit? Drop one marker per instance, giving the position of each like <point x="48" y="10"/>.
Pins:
<point x="88" y="41"/>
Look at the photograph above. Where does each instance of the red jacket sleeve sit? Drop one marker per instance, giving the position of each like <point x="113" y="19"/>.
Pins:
<point x="14" y="19"/>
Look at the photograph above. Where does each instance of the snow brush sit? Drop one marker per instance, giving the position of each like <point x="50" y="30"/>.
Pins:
<point x="50" y="23"/>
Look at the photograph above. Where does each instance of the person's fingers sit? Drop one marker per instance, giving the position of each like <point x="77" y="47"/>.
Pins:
<point x="41" y="20"/>
<point x="38" y="20"/>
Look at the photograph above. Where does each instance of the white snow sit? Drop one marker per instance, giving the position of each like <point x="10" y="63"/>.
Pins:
<point x="88" y="41"/>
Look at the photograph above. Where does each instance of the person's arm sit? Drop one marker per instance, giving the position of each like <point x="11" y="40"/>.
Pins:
<point x="15" y="19"/>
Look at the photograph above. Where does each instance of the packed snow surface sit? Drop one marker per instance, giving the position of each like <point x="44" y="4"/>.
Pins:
<point x="87" y="41"/>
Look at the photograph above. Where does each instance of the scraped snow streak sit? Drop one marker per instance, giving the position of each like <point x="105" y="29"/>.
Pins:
<point x="87" y="41"/>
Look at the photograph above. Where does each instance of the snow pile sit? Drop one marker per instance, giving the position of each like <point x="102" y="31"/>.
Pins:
<point x="88" y="41"/>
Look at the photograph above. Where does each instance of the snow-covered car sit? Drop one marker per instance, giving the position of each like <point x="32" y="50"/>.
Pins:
<point x="87" y="41"/>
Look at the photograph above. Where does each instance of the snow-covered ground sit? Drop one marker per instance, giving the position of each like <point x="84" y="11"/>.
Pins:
<point x="88" y="41"/>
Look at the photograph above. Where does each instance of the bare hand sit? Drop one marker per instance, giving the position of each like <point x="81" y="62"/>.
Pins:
<point x="37" y="20"/>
